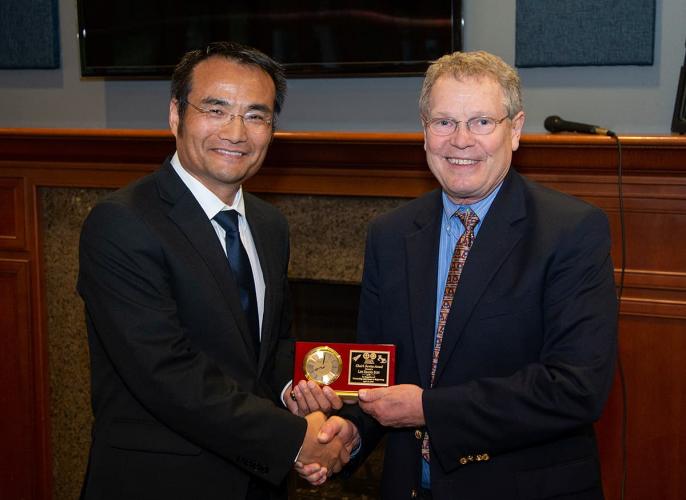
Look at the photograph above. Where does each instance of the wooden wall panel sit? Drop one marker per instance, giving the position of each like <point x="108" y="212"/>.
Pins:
<point x="652" y="351"/>
<point x="17" y="392"/>
<point x="653" y="320"/>
<point x="12" y="227"/>
<point x="654" y="225"/>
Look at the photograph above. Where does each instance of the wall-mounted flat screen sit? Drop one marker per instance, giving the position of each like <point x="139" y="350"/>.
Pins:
<point x="312" y="38"/>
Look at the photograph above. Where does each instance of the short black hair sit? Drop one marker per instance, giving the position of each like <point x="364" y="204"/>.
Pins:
<point x="242" y="54"/>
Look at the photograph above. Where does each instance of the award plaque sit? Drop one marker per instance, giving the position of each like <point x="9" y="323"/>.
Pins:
<point x="346" y="368"/>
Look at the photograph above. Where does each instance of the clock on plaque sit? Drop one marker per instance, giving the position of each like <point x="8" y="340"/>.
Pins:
<point x="346" y="368"/>
<point x="323" y="365"/>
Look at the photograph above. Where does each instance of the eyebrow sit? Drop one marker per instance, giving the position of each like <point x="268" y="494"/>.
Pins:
<point x="446" y="115"/>
<point x="260" y="107"/>
<point x="214" y="101"/>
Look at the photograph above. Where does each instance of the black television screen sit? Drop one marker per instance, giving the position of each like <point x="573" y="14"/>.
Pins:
<point x="146" y="38"/>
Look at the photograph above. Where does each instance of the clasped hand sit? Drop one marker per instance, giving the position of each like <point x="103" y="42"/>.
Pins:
<point x="326" y="448"/>
<point x="328" y="443"/>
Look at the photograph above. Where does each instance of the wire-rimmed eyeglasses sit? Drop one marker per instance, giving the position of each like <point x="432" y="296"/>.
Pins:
<point x="254" y="120"/>
<point x="479" y="125"/>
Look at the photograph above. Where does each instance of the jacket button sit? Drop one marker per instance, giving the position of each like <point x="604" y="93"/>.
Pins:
<point x="418" y="434"/>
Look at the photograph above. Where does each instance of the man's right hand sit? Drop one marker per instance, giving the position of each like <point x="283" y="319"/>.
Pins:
<point x="331" y="456"/>
<point x="334" y="430"/>
<point x="345" y="430"/>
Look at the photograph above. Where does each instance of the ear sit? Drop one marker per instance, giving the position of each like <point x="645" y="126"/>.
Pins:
<point x="424" y="134"/>
<point x="517" y="127"/>
<point x="174" y="116"/>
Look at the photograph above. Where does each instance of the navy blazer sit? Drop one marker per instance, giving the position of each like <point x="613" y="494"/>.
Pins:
<point x="182" y="409"/>
<point x="528" y="354"/>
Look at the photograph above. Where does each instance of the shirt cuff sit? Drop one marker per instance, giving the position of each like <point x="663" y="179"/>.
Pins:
<point x="356" y="450"/>
<point x="284" y="395"/>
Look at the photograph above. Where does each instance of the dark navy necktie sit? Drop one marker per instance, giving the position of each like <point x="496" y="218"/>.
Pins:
<point x="242" y="271"/>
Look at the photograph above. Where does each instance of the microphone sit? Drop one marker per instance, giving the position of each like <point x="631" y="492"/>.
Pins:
<point x="556" y="124"/>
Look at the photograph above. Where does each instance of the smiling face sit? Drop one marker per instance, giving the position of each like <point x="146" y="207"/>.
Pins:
<point x="470" y="166"/>
<point x="223" y="155"/>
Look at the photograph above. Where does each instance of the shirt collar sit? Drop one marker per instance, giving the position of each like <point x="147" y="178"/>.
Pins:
<point x="480" y="208"/>
<point x="208" y="201"/>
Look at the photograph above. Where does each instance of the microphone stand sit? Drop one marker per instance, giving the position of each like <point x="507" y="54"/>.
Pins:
<point x="679" y="118"/>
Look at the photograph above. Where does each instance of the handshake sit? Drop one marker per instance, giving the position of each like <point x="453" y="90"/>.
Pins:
<point x="326" y="448"/>
<point x="328" y="442"/>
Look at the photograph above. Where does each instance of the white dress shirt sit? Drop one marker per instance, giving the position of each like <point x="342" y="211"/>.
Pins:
<point x="212" y="205"/>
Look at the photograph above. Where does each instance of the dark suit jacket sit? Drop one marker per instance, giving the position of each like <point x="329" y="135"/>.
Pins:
<point x="528" y="354"/>
<point x="182" y="407"/>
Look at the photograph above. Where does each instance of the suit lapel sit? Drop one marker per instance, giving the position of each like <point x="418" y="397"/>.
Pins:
<point x="258" y="229"/>
<point x="497" y="236"/>
<point x="192" y="221"/>
<point x="422" y="254"/>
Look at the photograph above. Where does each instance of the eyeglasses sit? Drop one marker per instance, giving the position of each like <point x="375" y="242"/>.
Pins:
<point x="479" y="125"/>
<point x="254" y="121"/>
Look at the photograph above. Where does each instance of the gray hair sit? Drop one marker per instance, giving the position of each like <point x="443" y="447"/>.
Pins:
<point x="478" y="64"/>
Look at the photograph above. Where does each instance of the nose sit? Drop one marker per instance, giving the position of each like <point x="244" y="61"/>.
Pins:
<point x="233" y="129"/>
<point x="462" y="138"/>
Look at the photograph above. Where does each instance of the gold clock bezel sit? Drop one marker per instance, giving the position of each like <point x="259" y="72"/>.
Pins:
<point x="318" y="378"/>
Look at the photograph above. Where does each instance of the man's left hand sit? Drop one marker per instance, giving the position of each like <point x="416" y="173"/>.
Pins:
<point x="307" y="397"/>
<point x="395" y="406"/>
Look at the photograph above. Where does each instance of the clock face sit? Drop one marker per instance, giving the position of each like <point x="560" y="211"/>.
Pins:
<point x="323" y="365"/>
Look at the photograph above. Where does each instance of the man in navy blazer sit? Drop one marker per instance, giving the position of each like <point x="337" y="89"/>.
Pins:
<point x="528" y="350"/>
<point x="187" y="396"/>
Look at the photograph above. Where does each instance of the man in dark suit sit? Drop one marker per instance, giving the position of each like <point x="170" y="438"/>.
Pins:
<point x="499" y="295"/>
<point x="191" y="352"/>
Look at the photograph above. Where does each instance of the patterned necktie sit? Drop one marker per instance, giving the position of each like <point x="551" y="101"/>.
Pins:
<point x="242" y="271"/>
<point x="469" y="220"/>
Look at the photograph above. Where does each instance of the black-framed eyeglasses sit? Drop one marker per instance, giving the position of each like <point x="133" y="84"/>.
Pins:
<point x="255" y="120"/>
<point x="479" y="125"/>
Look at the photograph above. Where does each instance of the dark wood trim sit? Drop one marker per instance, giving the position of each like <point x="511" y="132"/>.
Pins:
<point x="355" y="164"/>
